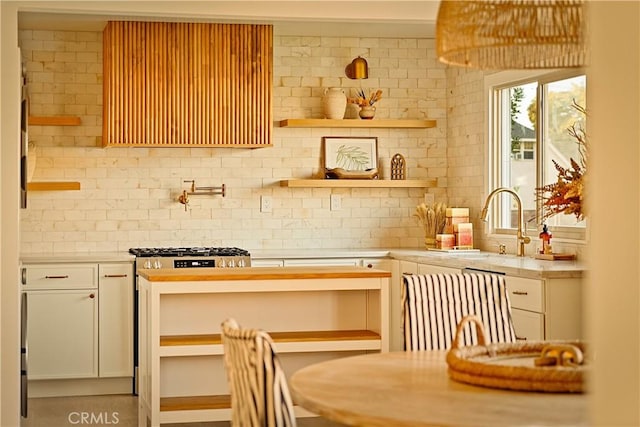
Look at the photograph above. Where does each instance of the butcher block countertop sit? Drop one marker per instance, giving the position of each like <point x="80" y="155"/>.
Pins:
<point x="261" y="273"/>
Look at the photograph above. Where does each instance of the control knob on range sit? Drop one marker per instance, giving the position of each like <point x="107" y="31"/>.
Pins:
<point x="147" y="264"/>
<point x="157" y="264"/>
<point x="231" y="263"/>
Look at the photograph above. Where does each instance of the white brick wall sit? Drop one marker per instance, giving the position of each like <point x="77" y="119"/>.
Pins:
<point x="128" y="195"/>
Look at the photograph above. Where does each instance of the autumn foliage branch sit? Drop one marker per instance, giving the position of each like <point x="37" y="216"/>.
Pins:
<point x="566" y="195"/>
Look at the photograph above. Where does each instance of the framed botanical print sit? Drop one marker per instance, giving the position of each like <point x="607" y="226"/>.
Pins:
<point x="350" y="153"/>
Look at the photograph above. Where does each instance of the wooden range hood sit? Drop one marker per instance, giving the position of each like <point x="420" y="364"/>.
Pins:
<point x="187" y="84"/>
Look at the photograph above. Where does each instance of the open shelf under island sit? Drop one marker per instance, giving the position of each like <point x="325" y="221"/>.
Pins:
<point x="329" y="312"/>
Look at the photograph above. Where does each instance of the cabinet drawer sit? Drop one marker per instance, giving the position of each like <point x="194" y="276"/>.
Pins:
<point x="526" y="294"/>
<point x="116" y="273"/>
<point x="529" y="326"/>
<point x="61" y="276"/>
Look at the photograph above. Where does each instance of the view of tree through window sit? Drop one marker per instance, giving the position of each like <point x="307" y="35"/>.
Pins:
<point x="532" y="131"/>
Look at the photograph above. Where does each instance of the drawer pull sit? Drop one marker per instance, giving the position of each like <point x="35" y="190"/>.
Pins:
<point x="113" y="276"/>
<point x="92" y="296"/>
<point x="521" y="338"/>
<point x="520" y="293"/>
<point x="369" y="265"/>
<point x="56" y="277"/>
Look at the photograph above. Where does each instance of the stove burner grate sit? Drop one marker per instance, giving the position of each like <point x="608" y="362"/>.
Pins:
<point x="195" y="251"/>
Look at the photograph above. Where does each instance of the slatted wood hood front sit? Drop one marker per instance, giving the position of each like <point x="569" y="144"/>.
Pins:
<point x="187" y="84"/>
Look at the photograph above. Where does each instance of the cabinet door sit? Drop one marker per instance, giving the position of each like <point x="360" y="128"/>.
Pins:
<point x="529" y="326"/>
<point x="116" y="287"/>
<point x="62" y="334"/>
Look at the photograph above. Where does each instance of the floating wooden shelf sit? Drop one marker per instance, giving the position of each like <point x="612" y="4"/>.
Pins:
<point x="279" y="337"/>
<point x="359" y="183"/>
<point x="54" y="120"/>
<point x="53" y="186"/>
<point x="357" y="123"/>
<point x="192" y="403"/>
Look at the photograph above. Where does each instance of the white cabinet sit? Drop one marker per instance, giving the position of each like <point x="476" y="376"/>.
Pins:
<point x="546" y="309"/>
<point x="62" y="333"/>
<point x="312" y="313"/>
<point x="115" y="320"/>
<point x="62" y="321"/>
<point x="79" y="327"/>
<point x="542" y="309"/>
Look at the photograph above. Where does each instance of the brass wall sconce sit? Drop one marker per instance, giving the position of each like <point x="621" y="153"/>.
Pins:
<point x="357" y="69"/>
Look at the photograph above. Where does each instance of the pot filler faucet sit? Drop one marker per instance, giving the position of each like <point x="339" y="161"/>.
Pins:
<point x="521" y="236"/>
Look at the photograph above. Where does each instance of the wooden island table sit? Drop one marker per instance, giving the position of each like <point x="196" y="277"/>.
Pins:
<point x="313" y="314"/>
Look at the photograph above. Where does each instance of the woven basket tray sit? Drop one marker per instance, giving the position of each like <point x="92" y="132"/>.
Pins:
<point x="543" y="366"/>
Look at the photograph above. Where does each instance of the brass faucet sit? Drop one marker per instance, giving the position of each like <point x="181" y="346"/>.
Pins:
<point x="521" y="236"/>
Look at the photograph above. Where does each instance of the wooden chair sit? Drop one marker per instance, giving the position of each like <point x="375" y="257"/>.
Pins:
<point x="434" y="304"/>
<point x="259" y="391"/>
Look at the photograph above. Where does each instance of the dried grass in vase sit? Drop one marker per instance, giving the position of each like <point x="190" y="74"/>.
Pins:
<point x="432" y="218"/>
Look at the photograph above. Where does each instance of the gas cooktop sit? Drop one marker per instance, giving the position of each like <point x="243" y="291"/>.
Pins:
<point x="179" y="252"/>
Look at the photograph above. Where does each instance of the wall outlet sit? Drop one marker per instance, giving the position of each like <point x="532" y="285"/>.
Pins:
<point x="336" y="202"/>
<point x="429" y="199"/>
<point x="266" y="203"/>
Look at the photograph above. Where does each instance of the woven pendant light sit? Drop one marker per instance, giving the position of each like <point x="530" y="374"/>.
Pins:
<point x="511" y="34"/>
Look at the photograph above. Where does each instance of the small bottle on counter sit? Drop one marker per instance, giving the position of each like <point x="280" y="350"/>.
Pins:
<point x="545" y="237"/>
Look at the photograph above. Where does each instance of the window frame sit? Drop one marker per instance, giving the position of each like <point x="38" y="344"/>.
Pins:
<point x="495" y="131"/>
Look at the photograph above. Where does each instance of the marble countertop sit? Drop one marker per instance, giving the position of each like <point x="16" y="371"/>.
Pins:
<point x="490" y="261"/>
<point x="70" y="257"/>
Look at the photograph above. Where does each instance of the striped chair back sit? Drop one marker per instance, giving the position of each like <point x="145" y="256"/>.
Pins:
<point x="434" y="304"/>
<point x="259" y="391"/>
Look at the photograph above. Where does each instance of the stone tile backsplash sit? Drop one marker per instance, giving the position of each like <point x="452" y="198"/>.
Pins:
<point x="128" y="196"/>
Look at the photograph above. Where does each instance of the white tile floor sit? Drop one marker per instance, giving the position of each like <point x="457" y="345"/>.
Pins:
<point x="112" y="411"/>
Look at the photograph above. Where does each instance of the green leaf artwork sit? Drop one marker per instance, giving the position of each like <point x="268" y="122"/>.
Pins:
<point x="351" y="158"/>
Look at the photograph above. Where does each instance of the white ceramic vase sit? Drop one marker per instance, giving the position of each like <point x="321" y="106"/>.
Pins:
<point x="334" y="103"/>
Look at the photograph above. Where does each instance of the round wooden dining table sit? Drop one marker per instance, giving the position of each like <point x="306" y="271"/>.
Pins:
<point x="413" y="388"/>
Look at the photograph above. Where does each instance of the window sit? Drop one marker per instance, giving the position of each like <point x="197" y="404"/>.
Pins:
<point x="529" y="116"/>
